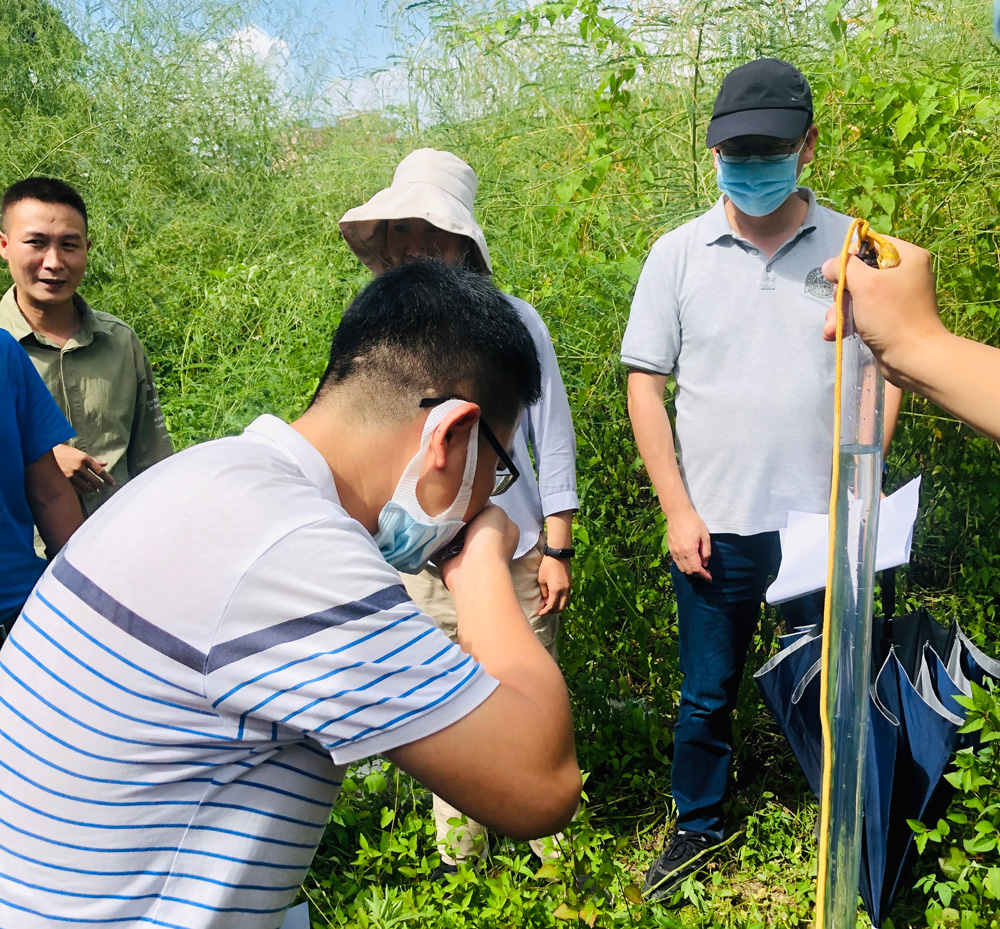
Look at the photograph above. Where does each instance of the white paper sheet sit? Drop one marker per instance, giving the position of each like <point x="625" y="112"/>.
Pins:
<point x="805" y="544"/>
<point x="297" y="917"/>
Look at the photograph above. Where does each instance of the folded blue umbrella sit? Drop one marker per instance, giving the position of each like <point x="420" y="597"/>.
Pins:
<point x="919" y="668"/>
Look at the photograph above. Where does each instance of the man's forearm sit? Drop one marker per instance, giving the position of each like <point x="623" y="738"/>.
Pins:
<point x="53" y="502"/>
<point x="559" y="529"/>
<point x="893" y="403"/>
<point x="655" y="440"/>
<point x="960" y="376"/>
<point x="493" y="629"/>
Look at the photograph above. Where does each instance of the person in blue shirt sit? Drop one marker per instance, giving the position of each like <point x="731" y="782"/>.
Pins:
<point x="33" y="490"/>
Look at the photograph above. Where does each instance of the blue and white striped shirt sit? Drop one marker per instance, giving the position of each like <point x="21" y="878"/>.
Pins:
<point x="186" y="684"/>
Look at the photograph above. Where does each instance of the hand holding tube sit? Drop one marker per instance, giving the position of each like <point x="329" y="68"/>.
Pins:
<point x="896" y="314"/>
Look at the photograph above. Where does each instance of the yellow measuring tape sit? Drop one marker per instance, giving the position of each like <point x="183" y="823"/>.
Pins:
<point x="885" y="257"/>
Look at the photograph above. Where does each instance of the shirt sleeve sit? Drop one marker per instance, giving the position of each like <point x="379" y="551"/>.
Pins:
<point x="321" y="639"/>
<point x="653" y="334"/>
<point x="551" y="430"/>
<point x="149" y="441"/>
<point x="41" y="423"/>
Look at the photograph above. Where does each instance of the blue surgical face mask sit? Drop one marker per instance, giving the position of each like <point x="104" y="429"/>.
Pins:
<point x="758" y="187"/>
<point x="407" y="537"/>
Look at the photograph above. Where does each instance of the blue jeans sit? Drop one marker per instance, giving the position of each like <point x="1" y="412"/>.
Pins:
<point x="716" y="621"/>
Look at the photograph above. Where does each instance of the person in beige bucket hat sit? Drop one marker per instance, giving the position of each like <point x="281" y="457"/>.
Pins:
<point x="428" y="211"/>
<point x="436" y="188"/>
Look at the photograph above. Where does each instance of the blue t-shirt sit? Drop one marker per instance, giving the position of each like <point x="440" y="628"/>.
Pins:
<point x="30" y="425"/>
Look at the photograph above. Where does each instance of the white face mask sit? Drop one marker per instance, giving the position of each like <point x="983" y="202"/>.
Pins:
<point x="407" y="537"/>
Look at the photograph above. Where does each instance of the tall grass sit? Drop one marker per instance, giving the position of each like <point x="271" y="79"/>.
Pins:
<point x="214" y="197"/>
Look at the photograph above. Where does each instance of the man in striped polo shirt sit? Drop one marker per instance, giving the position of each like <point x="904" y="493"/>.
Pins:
<point x="186" y="684"/>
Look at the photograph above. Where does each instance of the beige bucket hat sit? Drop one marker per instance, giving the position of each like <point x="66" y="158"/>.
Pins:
<point x="434" y="186"/>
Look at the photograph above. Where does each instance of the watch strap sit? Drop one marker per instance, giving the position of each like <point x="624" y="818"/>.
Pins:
<point x="559" y="552"/>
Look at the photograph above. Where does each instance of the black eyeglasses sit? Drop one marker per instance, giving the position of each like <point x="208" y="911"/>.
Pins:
<point x="507" y="472"/>
<point x="779" y="151"/>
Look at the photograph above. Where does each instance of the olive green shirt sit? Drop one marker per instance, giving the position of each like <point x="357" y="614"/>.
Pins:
<point x="102" y="381"/>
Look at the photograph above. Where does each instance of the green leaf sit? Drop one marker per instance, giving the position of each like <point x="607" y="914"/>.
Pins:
<point x="905" y="121"/>
<point x="564" y="911"/>
<point x="980" y="845"/>
<point x="633" y="894"/>
<point x="954" y="863"/>
<point x="589" y="913"/>
<point x="886" y="200"/>
<point x="549" y="871"/>
<point x="631" y="267"/>
<point x="832" y="10"/>
<point x="387" y="817"/>
<point x="980" y="699"/>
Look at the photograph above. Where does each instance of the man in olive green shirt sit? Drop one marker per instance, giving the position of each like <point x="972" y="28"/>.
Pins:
<point x="92" y="363"/>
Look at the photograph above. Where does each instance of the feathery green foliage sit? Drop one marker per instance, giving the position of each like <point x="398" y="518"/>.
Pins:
<point x="214" y="204"/>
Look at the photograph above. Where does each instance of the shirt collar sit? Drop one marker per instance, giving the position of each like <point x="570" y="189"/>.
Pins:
<point x="299" y="450"/>
<point x="715" y="223"/>
<point x="14" y="322"/>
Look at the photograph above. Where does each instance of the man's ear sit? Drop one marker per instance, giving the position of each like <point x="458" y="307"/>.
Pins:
<point x="809" y="150"/>
<point x="453" y="433"/>
<point x="4" y="241"/>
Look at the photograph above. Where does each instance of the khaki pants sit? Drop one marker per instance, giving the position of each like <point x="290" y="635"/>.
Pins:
<point x="464" y="840"/>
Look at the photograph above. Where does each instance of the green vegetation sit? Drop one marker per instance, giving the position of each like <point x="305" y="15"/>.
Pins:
<point x="214" y="203"/>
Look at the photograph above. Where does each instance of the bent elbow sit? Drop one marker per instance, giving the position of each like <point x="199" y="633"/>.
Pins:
<point x="550" y="808"/>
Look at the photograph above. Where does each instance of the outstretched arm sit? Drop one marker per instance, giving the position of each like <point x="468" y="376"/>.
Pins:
<point x="896" y="314"/>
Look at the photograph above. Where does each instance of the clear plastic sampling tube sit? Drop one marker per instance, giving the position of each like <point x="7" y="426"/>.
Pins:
<point x="858" y="492"/>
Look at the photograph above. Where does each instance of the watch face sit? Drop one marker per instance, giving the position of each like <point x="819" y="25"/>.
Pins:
<point x="450" y="550"/>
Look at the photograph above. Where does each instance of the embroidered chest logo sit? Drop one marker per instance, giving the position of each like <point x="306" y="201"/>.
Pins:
<point x="817" y="285"/>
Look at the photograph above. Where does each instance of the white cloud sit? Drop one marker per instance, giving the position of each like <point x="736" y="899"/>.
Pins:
<point x="379" y="90"/>
<point x="254" y="42"/>
<point x="251" y="44"/>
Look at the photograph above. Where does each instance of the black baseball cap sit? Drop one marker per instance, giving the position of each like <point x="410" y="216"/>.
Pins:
<point x="765" y="97"/>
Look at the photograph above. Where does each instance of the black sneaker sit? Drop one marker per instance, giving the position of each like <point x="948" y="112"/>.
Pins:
<point x="681" y="857"/>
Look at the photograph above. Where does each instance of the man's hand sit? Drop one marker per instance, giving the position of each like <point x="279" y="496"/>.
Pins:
<point x="895" y="309"/>
<point x="896" y="314"/>
<point x="490" y="542"/>
<point x="690" y="542"/>
<point x="554" y="580"/>
<point x="85" y="473"/>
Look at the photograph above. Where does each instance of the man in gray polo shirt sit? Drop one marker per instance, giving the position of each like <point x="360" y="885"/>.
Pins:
<point x="731" y="305"/>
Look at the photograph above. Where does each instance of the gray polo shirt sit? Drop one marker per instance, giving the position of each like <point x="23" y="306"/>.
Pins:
<point x="742" y="336"/>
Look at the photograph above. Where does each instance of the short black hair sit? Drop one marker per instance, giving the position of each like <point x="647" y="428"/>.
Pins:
<point x="45" y="189"/>
<point x="429" y="330"/>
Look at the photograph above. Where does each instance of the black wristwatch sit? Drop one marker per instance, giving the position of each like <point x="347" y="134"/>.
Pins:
<point x="561" y="553"/>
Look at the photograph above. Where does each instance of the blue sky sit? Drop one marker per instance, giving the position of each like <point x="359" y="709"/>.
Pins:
<point x="323" y="49"/>
<point x="353" y="32"/>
